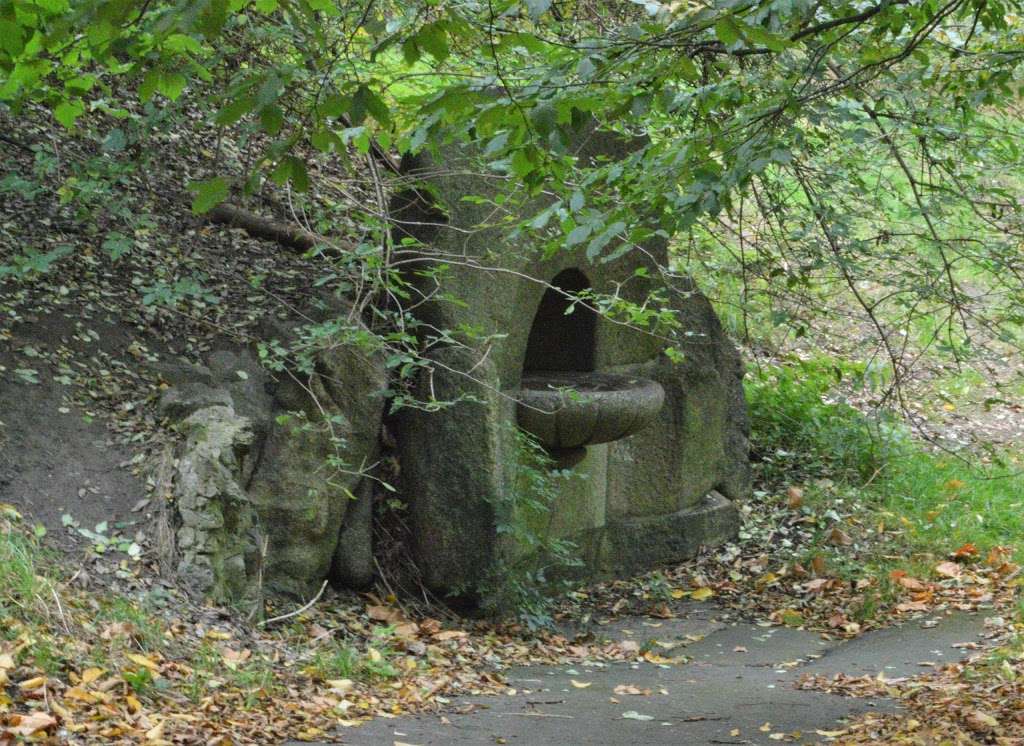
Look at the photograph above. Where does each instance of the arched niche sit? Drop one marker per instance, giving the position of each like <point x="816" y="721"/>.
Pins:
<point x="561" y="339"/>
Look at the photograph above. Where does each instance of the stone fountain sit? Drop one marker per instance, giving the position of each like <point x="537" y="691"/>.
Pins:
<point x="660" y="446"/>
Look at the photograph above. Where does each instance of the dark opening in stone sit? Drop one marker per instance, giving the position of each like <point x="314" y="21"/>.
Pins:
<point x="561" y="341"/>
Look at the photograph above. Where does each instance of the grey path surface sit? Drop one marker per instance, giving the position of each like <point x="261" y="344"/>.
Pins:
<point x="741" y="677"/>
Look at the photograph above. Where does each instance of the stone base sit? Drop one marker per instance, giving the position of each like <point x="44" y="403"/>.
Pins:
<point x="637" y="545"/>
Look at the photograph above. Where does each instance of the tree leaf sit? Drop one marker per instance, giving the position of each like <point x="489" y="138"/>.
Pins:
<point x="208" y="194"/>
<point x="67" y="112"/>
<point x="728" y="32"/>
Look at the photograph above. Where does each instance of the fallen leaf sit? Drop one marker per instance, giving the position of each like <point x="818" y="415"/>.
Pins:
<point x="156" y="733"/>
<point x="580" y="684"/>
<point x="430" y="626"/>
<point x="80" y="694"/>
<point x="661" y="611"/>
<point x="948" y="569"/>
<point x="792" y="618"/>
<point x="634" y="715"/>
<point x="34" y="683"/>
<point x="90" y="675"/>
<point x="384" y="613"/>
<point x="794" y="498"/>
<point x="981" y="722"/>
<point x="27" y="725"/>
<point x="340" y="686"/>
<point x="839" y="538"/>
<point x="911" y="584"/>
<point x="631" y="689"/>
<point x="143" y="661"/>
<point x="702" y="594"/>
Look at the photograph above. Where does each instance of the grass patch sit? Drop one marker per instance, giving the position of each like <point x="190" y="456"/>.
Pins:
<point x="923" y="504"/>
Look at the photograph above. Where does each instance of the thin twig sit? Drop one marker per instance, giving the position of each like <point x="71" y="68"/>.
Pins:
<point x="298" y="611"/>
<point x="60" y="609"/>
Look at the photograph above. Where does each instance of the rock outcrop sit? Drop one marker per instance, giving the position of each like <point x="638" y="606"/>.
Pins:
<point x="271" y="487"/>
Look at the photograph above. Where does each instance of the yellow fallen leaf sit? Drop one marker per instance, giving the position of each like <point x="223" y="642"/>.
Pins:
<point x="133" y="703"/>
<point x="767" y="579"/>
<point x="156" y="733"/>
<point x="216" y="634"/>
<point x="62" y="712"/>
<point x="981" y="722"/>
<point x="581" y="684"/>
<point x="374" y="655"/>
<point x="143" y="661"/>
<point x="341" y="686"/>
<point x="77" y="692"/>
<point x="34" y="683"/>
<point x="792" y="618"/>
<point x="702" y="594"/>
<point x="677" y="594"/>
<point x="90" y="675"/>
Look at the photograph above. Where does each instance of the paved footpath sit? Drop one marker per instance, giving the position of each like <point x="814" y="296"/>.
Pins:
<point x="741" y="677"/>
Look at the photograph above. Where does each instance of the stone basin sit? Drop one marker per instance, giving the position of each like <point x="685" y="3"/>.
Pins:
<point x="570" y="409"/>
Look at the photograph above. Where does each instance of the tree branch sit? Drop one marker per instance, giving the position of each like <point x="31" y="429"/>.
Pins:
<point x="286" y="234"/>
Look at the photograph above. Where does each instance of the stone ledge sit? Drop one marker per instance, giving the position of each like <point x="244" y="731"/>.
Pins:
<point x="637" y="545"/>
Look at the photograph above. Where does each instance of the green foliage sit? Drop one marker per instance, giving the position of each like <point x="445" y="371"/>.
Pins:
<point x="23" y="585"/>
<point x="32" y="263"/>
<point x="339" y="660"/>
<point x="533" y="562"/>
<point x="800" y="429"/>
<point x="858" y="142"/>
